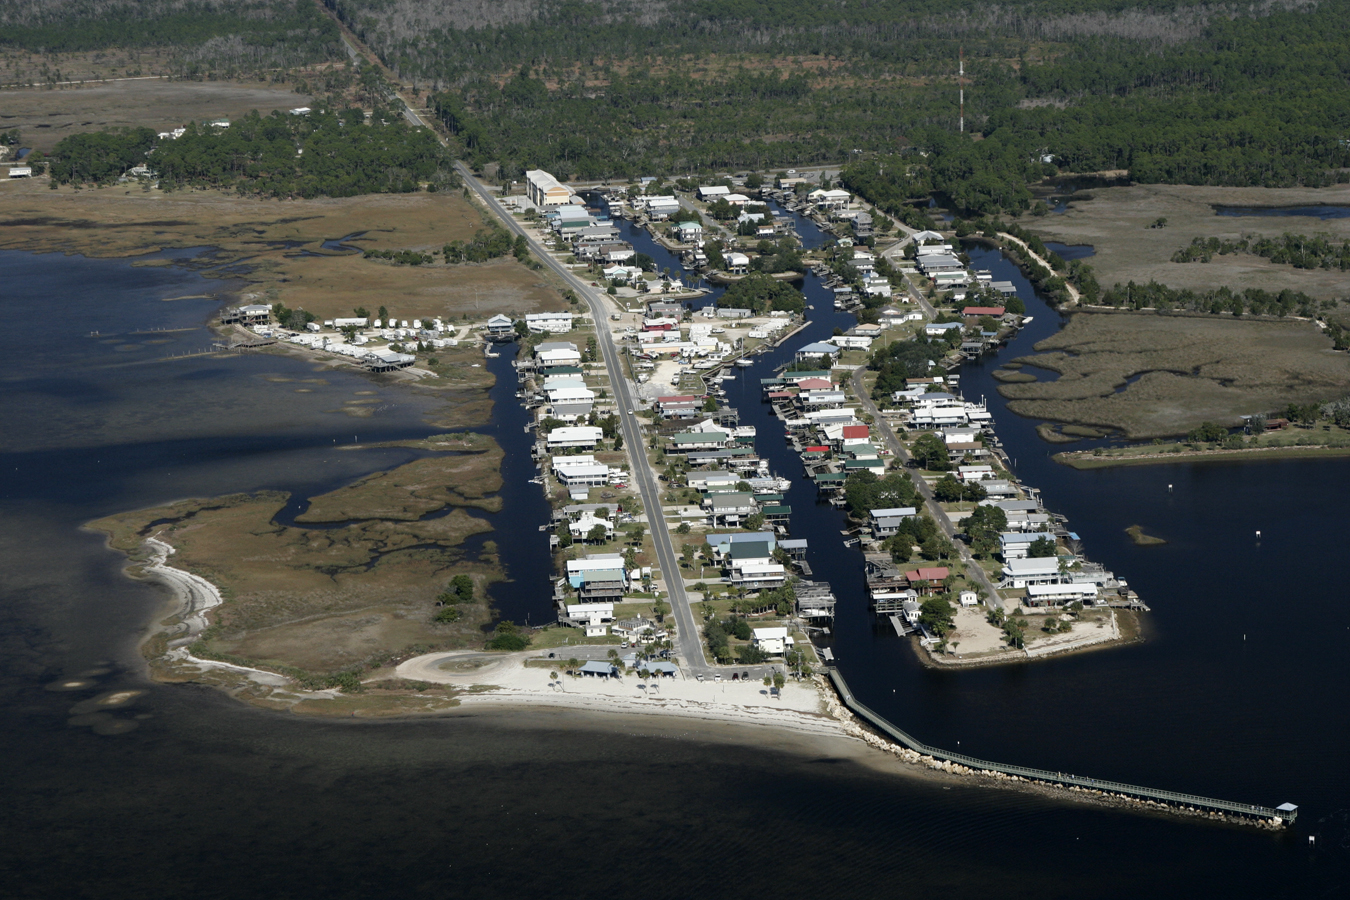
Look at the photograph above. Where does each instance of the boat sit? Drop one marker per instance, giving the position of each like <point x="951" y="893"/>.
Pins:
<point x="744" y="363"/>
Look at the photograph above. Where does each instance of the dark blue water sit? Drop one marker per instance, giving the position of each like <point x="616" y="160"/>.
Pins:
<point x="1312" y="212"/>
<point x="214" y="799"/>
<point x="1071" y="251"/>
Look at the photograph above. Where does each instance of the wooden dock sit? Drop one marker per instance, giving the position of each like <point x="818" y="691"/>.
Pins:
<point x="1279" y="816"/>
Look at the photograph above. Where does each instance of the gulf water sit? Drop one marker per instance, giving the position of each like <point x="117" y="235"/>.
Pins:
<point x="211" y="798"/>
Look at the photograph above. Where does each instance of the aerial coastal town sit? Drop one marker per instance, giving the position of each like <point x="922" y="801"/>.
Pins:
<point x="675" y="553"/>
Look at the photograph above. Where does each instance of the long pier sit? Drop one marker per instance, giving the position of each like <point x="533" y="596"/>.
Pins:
<point x="1283" y="815"/>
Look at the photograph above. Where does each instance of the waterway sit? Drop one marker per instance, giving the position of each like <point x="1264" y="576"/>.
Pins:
<point x="211" y="798"/>
<point x="1310" y="212"/>
<point x="1208" y="703"/>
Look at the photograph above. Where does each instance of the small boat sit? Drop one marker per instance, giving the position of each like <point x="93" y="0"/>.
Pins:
<point x="744" y="363"/>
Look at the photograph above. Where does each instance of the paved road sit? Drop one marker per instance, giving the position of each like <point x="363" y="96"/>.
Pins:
<point x="688" y="647"/>
<point x="939" y="514"/>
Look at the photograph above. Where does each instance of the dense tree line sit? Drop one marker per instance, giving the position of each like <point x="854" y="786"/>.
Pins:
<point x="210" y="35"/>
<point x="1297" y="250"/>
<point x="1251" y="301"/>
<point x="900" y="360"/>
<point x="336" y="153"/>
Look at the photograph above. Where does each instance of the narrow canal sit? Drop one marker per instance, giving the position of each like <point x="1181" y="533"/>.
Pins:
<point x="1207" y="703"/>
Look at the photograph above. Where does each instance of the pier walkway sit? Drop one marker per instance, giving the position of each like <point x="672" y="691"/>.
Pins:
<point x="1285" y="814"/>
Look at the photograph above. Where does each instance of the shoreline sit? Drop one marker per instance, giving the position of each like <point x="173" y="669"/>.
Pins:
<point x="1075" y="458"/>
<point x="1086" y="644"/>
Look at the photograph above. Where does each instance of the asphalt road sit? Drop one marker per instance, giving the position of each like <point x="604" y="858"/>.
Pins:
<point x="688" y="647"/>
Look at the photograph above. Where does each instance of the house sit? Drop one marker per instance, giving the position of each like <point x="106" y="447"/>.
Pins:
<point x="1026" y="572"/>
<point x="20" y="171"/>
<point x="501" y="328"/>
<point x="934" y="329"/>
<point x="638" y="629"/>
<point x="595" y="668"/>
<point x="819" y="350"/>
<point x="854" y="434"/>
<point x="689" y="232"/>
<point x="758" y="576"/>
<point x="737" y="263"/>
<point x="549" y="322"/>
<point x="568" y="395"/>
<point x="711" y="192"/>
<point x="773" y="641"/>
<point x="729" y="508"/>
<point x="588" y="475"/>
<point x="886" y="522"/>
<point x="684" y="406"/>
<point x="852" y="342"/>
<point x="697" y="440"/>
<point x="1017" y="544"/>
<point x="977" y="311"/>
<point x="594" y="617"/>
<point x="720" y="542"/>
<point x="891" y="317"/>
<point x="582" y="526"/>
<point x="928" y="579"/>
<point x="586" y="436"/>
<point x="1051" y="594"/>
<point x="968" y="474"/>
<point x="561" y="356"/>
<point x="544" y="190"/>
<point x="748" y="553"/>
<point x="833" y="199"/>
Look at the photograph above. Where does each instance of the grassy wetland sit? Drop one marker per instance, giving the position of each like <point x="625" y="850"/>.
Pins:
<point x="344" y="597"/>
<point x="1147" y="375"/>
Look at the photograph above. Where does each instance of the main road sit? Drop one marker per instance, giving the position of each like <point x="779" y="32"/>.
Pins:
<point x="688" y="647"/>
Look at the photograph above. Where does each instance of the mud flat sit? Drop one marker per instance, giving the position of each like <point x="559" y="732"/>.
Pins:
<point x="1149" y="375"/>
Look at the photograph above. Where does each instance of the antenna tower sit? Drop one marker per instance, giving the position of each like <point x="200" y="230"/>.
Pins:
<point x="961" y="83"/>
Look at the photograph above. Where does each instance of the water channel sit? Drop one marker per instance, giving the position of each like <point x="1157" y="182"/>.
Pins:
<point x="1239" y="691"/>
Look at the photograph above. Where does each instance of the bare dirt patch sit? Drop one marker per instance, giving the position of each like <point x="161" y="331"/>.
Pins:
<point x="1189" y="370"/>
<point x="1115" y="221"/>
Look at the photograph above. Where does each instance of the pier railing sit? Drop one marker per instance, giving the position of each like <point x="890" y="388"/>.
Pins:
<point x="1287" y="814"/>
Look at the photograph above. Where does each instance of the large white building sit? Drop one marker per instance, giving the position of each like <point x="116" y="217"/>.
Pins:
<point x="549" y="322"/>
<point x="545" y="190"/>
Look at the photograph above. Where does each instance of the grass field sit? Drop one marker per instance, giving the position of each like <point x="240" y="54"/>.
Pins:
<point x="270" y="236"/>
<point x="1187" y="370"/>
<point x="1115" y="221"/>
<point x="44" y="116"/>
<point x="327" y="599"/>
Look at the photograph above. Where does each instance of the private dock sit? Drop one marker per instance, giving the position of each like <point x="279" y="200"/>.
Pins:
<point x="1280" y="816"/>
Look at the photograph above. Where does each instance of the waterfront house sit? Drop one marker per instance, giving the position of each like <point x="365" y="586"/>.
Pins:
<point x="941" y="330"/>
<point x="1020" y="573"/>
<point x="595" y="668"/>
<point x="758" y="576"/>
<point x="501" y="328"/>
<point x="886" y="522"/>
<point x="729" y="508"/>
<point x="975" y="312"/>
<point x="574" y="436"/>
<point x="928" y="579"/>
<point x="711" y="192"/>
<point x="689" y="232"/>
<point x="549" y="322"/>
<point x="737" y="263"/>
<point x="1055" y="594"/>
<point x="820" y="350"/>
<point x="968" y="474"/>
<point x="773" y="641"/>
<point x="697" y="440"/>
<point x="1017" y="544"/>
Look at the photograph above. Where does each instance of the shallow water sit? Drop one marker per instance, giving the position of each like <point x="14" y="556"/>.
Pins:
<point x="1313" y="212"/>
<point x="212" y="798"/>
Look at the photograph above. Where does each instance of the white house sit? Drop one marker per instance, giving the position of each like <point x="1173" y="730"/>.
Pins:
<point x="1027" y="572"/>
<point x="549" y="322"/>
<point x="583" y="524"/>
<point x="737" y="263"/>
<point x="773" y="641"/>
<point x="559" y="357"/>
<point x="834" y="199"/>
<point x="689" y="232"/>
<point x="20" y="171"/>
<point x="818" y="350"/>
<point x="755" y="575"/>
<point x="709" y="193"/>
<point x="1045" y="594"/>
<point x="574" y="436"/>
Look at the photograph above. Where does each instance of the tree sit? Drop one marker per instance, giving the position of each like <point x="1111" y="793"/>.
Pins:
<point x="508" y="636"/>
<point x="936" y="614"/>
<point x="687" y="553"/>
<point x="597" y="534"/>
<point x="931" y="452"/>
<point x="779" y="680"/>
<point x="1041" y="548"/>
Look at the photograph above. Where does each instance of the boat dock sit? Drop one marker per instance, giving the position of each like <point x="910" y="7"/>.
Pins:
<point x="1279" y="816"/>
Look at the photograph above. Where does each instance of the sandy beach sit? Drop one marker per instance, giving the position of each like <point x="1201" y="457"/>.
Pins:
<point x="504" y="679"/>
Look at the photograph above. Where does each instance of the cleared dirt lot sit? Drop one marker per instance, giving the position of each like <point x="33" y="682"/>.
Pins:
<point x="1115" y="222"/>
<point x="1150" y="375"/>
<point x="45" y="115"/>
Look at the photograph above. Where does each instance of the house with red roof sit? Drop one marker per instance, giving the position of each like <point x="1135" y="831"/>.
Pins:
<point x="974" y="312"/>
<point x="927" y="579"/>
